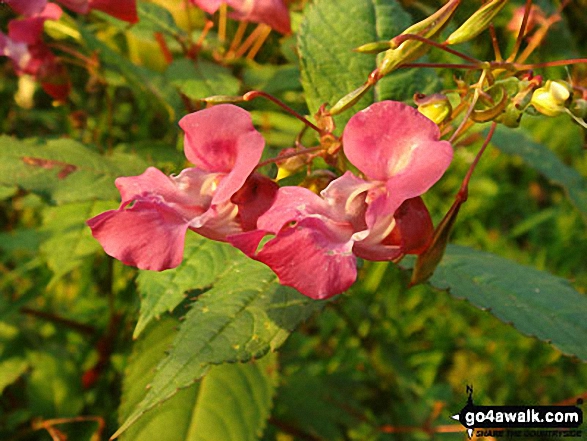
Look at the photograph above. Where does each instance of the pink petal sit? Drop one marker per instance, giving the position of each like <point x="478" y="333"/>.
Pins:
<point x="222" y="139"/>
<point x="310" y="256"/>
<point x="29" y="30"/>
<point x="347" y="196"/>
<point x="149" y="235"/>
<point x="125" y="10"/>
<point x="189" y="193"/>
<point x="293" y="204"/>
<point x="390" y="139"/>
<point x="414" y="226"/>
<point x="27" y="7"/>
<point x="16" y="51"/>
<point x="253" y="199"/>
<point x="271" y="12"/>
<point x="210" y="6"/>
<point x="411" y="233"/>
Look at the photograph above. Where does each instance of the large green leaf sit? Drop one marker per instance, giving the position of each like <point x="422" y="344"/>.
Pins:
<point x="232" y="402"/>
<point x="330" y="69"/>
<point x="204" y="260"/>
<point x="546" y="162"/>
<point x="244" y="315"/>
<point x="63" y="170"/>
<point x="535" y="302"/>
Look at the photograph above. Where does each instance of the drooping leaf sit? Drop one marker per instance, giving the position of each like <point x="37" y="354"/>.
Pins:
<point x="201" y="79"/>
<point x="204" y="260"/>
<point x="330" y="69"/>
<point x="64" y="170"/>
<point x="542" y="159"/>
<point x="534" y="302"/>
<point x="244" y="315"/>
<point x="232" y="402"/>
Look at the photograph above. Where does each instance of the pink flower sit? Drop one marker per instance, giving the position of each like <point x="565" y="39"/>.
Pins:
<point x="217" y="198"/>
<point x="399" y="152"/>
<point x="271" y="12"/>
<point x="23" y="45"/>
<point x="122" y="9"/>
<point x="316" y="239"/>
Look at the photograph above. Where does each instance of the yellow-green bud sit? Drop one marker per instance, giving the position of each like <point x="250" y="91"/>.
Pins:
<point x="477" y="22"/>
<point x="551" y="99"/>
<point x="410" y="50"/>
<point x="223" y="99"/>
<point x="350" y="99"/>
<point x="436" y="107"/>
<point x="374" y="48"/>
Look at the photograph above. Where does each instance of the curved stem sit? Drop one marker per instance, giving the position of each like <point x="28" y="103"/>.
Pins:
<point x="442" y="66"/>
<point x="401" y="38"/>
<point x="471" y="106"/>
<point x="550" y="63"/>
<point x="256" y="93"/>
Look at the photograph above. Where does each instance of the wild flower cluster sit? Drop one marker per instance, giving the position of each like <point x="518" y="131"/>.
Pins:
<point x="388" y="156"/>
<point x="370" y="208"/>
<point x="378" y="216"/>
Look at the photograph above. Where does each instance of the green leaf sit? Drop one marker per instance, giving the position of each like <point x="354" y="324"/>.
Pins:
<point x="204" y="260"/>
<point x="232" y="402"/>
<point x="10" y="370"/>
<point x="546" y="162"/>
<point x="70" y="240"/>
<point x="63" y="170"/>
<point x="330" y="69"/>
<point x="243" y="316"/>
<point x="534" y="302"/>
<point x="201" y="79"/>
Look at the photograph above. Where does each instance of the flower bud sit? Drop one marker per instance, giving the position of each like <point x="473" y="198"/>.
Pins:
<point x="350" y="99"/>
<point x="223" y="99"/>
<point x="410" y="50"/>
<point x="373" y="48"/>
<point x="290" y="165"/>
<point x="436" y="107"/>
<point x="477" y="22"/>
<point x="551" y="99"/>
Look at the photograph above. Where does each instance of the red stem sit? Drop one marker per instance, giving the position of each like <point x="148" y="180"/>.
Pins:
<point x="401" y="38"/>
<point x="256" y="93"/>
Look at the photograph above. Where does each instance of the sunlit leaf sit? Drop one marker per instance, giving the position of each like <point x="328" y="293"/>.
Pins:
<point x="64" y="170"/>
<point x="244" y="315"/>
<point x="330" y="69"/>
<point x="231" y="402"/>
<point x="204" y="261"/>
